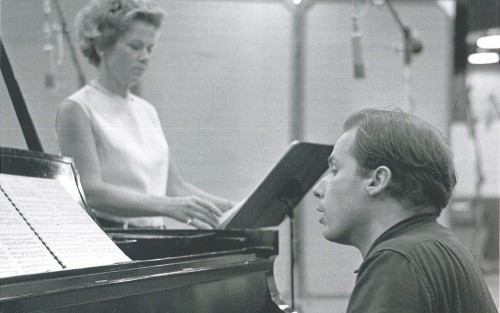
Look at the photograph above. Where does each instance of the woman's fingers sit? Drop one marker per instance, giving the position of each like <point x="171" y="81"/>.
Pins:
<point x="205" y="211"/>
<point x="200" y="225"/>
<point x="200" y="217"/>
<point x="197" y="212"/>
<point x="208" y="205"/>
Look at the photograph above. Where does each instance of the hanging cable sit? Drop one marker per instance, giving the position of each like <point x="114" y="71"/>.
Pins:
<point x="48" y="46"/>
<point x="411" y="46"/>
<point x="359" y="10"/>
<point x="67" y="35"/>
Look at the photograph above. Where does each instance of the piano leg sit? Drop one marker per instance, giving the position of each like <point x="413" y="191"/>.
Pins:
<point x="274" y="303"/>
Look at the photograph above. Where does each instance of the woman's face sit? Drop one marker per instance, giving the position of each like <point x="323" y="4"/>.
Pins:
<point x="127" y="60"/>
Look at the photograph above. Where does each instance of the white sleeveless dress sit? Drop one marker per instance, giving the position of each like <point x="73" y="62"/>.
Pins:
<point x="132" y="149"/>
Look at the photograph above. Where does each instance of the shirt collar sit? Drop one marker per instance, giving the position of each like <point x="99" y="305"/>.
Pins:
<point x="397" y="229"/>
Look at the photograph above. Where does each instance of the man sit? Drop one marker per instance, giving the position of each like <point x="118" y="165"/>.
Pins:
<point x="390" y="176"/>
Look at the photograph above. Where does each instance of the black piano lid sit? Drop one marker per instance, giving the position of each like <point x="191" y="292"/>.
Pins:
<point x="22" y="113"/>
<point x="182" y="270"/>
<point x="298" y="169"/>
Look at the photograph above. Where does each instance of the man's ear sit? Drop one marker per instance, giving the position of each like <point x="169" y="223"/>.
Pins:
<point x="379" y="179"/>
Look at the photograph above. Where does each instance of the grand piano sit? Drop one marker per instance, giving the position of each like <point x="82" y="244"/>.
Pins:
<point x="174" y="271"/>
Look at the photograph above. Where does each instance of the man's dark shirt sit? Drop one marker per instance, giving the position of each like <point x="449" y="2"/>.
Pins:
<point x="418" y="266"/>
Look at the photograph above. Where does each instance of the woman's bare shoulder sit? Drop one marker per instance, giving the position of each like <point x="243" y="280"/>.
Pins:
<point x="71" y="113"/>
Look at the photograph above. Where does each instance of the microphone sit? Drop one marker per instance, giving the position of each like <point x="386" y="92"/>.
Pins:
<point x="49" y="80"/>
<point x="48" y="48"/>
<point x="357" y="56"/>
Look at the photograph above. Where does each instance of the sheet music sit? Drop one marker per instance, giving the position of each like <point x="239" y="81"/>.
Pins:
<point x="21" y="251"/>
<point x="229" y="214"/>
<point x="64" y="226"/>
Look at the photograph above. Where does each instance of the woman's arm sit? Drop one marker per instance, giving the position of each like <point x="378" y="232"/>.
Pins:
<point x="76" y="140"/>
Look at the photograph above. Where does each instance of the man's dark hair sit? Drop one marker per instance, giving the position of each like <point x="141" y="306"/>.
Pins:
<point x="421" y="162"/>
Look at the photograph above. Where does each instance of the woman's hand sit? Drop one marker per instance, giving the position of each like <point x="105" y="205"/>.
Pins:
<point x="194" y="211"/>
<point x="229" y="205"/>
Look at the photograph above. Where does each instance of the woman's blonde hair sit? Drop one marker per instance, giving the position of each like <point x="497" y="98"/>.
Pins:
<point x="102" y="22"/>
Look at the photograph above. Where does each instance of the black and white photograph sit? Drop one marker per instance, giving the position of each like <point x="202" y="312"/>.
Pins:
<point x="260" y="156"/>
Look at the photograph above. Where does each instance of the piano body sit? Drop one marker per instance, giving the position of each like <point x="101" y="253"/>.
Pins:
<point x="172" y="270"/>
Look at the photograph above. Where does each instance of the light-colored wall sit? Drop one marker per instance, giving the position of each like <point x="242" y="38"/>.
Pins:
<point x="332" y="93"/>
<point x="221" y="80"/>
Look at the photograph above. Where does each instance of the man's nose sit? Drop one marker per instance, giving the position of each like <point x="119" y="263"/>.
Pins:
<point x="318" y="190"/>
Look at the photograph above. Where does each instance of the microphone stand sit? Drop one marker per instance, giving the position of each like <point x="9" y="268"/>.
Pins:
<point x="292" y="257"/>
<point x="71" y="47"/>
<point x="411" y="46"/>
<point x="478" y="237"/>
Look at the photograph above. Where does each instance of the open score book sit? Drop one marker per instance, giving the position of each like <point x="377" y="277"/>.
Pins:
<point x="43" y="229"/>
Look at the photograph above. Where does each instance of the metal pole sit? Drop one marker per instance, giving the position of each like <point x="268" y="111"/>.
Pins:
<point x="297" y="92"/>
<point x="297" y="119"/>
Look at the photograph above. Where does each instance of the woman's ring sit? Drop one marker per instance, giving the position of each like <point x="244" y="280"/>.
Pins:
<point x="189" y="221"/>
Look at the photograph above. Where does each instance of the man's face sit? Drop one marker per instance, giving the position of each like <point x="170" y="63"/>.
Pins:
<point x="342" y="195"/>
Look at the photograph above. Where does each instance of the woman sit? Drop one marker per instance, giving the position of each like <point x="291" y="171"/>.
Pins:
<point x="115" y="138"/>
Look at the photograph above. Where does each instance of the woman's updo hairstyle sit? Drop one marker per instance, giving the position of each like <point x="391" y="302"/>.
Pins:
<point x="101" y="23"/>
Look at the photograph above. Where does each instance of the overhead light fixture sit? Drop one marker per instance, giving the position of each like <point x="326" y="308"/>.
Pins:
<point x="489" y="42"/>
<point x="483" y="58"/>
